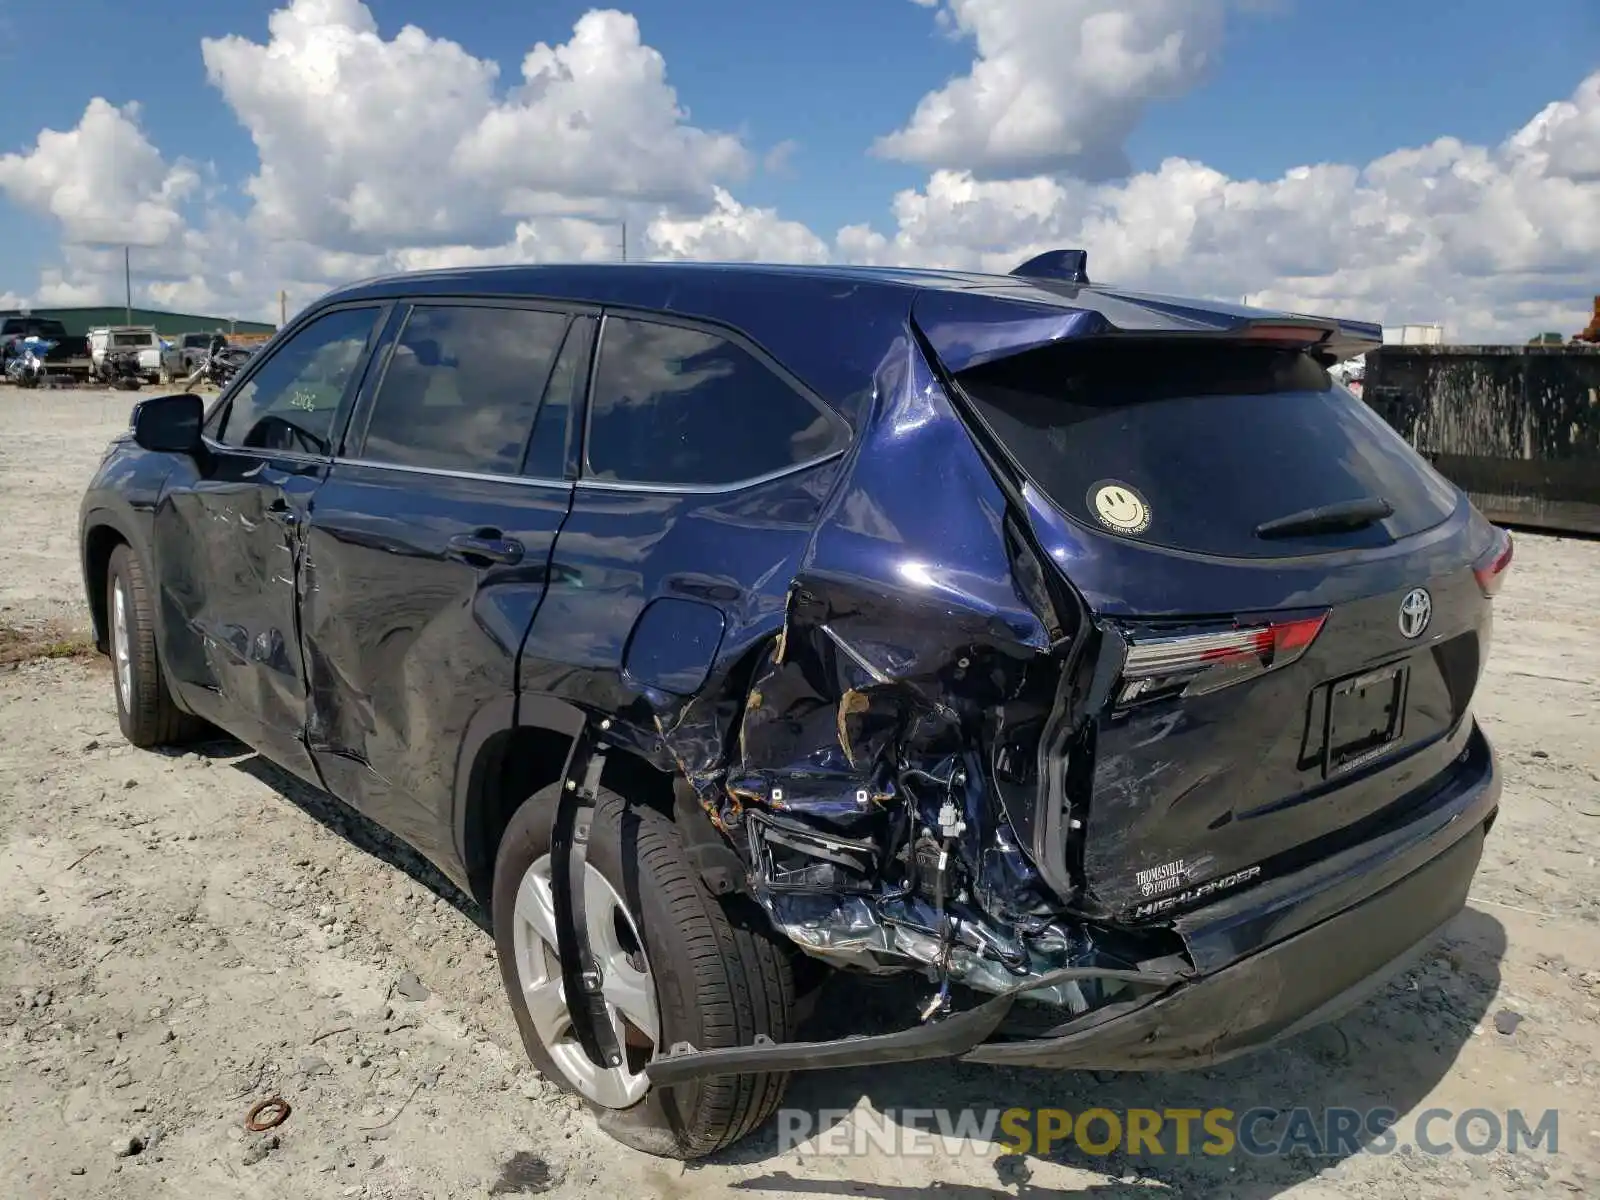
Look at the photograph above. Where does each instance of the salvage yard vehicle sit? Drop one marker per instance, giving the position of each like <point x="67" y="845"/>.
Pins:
<point x="179" y="360"/>
<point x="66" y="355"/>
<point x="141" y="340"/>
<point x="119" y="369"/>
<point x="1089" y="655"/>
<point x="25" y="362"/>
<point x="182" y="356"/>
<point x="217" y="367"/>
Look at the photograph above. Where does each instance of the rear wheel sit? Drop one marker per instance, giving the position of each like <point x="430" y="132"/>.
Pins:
<point x="145" y="709"/>
<point x="677" y="965"/>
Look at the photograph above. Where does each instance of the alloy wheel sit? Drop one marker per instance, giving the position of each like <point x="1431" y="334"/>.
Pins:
<point x="626" y="985"/>
<point x="121" y="656"/>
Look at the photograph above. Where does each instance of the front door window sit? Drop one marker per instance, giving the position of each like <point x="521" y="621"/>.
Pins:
<point x="292" y="401"/>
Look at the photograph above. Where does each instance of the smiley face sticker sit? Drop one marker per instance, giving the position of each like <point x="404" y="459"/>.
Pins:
<point x="1118" y="507"/>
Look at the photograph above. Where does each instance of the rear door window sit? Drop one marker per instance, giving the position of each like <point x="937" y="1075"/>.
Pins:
<point x="1193" y="446"/>
<point x="463" y="387"/>
<point x="550" y="446"/>
<point x="685" y="407"/>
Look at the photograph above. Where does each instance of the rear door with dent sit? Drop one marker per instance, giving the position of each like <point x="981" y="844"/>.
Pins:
<point x="429" y="547"/>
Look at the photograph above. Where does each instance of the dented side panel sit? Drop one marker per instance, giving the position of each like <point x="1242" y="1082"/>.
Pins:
<point x="228" y="556"/>
<point x="619" y="552"/>
<point x="856" y="768"/>
<point x="904" y="620"/>
<point x="406" y="639"/>
<point x="881" y="651"/>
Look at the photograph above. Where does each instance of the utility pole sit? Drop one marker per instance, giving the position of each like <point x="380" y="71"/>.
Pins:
<point x="127" y="284"/>
<point x="624" y="241"/>
<point x="283" y="307"/>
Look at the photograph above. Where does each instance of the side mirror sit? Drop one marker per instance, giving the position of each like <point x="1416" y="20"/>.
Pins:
<point x="169" y="424"/>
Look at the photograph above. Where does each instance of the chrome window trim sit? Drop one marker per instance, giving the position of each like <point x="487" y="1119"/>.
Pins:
<point x="449" y="473"/>
<point x="217" y="447"/>
<point x="706" y="489"/>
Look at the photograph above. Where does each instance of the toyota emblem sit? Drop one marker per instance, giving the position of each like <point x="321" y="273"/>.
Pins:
<point x="1416" y="610"/>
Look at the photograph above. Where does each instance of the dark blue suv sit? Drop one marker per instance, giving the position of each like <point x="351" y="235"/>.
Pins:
<point x="1089" y="655"/>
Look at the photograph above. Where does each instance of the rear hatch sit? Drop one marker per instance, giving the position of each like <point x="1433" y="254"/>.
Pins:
<point x="1288" y="623"/>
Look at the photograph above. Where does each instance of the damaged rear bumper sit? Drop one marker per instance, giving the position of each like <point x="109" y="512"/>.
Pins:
<point x="1326" y="938"/>
<point x="1289" y="987"/>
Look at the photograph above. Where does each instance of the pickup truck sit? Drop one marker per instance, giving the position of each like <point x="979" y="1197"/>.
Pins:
<point x="184" y="355"/>
<point x="68" y="357"/>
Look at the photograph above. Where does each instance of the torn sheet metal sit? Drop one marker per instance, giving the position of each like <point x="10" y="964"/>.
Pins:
<point x="856" y="762"/>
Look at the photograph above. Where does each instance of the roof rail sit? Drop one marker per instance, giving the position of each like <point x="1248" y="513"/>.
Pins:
<point x="1068" y="266"/>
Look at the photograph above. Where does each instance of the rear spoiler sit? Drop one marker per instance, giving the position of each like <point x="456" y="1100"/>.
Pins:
<point x="1053" y="301"/>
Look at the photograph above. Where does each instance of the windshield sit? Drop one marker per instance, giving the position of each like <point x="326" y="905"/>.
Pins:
<point x="133" y="339"/>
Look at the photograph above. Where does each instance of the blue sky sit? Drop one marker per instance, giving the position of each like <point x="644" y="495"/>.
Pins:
<point x="1290" y="84"/>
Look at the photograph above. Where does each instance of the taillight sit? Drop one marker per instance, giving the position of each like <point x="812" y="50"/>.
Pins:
<point x="1195" y="663"/>
<point x="1491" y="568"/>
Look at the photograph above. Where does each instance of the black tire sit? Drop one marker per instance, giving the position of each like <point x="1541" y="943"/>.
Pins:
<point x="721" y="975"/>
<point x="147" y="714"/>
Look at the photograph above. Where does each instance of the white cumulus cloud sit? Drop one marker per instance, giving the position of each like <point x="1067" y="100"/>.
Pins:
<point x="379" y="153"/>
<point x="734" y="231"/>
<point x="1057" y="84"/>
<point x="1494" y="241"/>
<point x="365" y="142"/>
<point x="102" y="180"/>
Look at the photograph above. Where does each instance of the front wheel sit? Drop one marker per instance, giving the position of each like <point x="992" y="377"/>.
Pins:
<point x="145" y="709"/>
<point x="677" y="965"/>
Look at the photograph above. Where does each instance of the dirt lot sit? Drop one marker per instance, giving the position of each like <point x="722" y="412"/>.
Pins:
<point x="184" y="934"/>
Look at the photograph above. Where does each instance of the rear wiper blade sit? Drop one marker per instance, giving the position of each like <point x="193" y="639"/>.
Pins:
<point x="1328" y="518"/>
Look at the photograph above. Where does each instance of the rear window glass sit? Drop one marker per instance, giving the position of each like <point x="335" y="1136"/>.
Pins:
<point x="1195" y="446"/>
<point x="685" y="407"/>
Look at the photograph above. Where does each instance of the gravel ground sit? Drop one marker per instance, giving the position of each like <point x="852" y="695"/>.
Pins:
<point x="182" y="935"/>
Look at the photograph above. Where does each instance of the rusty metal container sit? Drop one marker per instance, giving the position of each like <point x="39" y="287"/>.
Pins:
<point x="1516" y="427"/>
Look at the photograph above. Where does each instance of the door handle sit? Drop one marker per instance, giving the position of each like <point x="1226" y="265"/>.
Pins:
<point x="280" y="512"/>
<point x="487" y="546"/>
